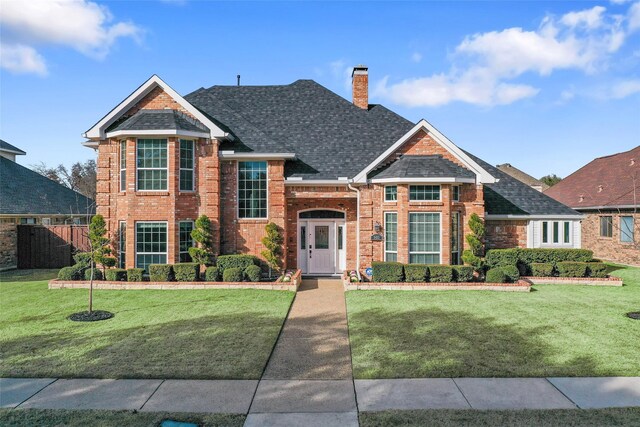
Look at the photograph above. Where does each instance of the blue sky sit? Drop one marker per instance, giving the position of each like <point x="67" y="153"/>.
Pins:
<point x="546" y="86"/>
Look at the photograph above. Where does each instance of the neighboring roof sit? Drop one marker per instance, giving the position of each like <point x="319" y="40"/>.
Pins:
<point x="522" y="176"/>
<point x="604" y="182"/>
<point x="434" y="166"/>
<point x="331" y="137"/>
<point x="509" y="196"/>
<point x="5" y="146"/>
<point x="24" y="192"/>
<point x="158" y="120"/>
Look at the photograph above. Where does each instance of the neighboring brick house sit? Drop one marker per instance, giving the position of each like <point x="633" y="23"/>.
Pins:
<point x="347" y="183"/>
<point x="522" y="176"/>
<point x="607" y="192"/>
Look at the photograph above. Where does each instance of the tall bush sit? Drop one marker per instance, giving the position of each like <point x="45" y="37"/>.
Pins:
<point x="473" y="256"/>
<point x="99" y="251"/>
<point x="202" y="235"/>
<point x="273" y="247"/>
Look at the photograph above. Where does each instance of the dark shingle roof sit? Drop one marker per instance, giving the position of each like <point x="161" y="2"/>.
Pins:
<point x="331" y="137"/>
<point x="158" y="120"/>
<point x="23" y="191"/>
<point x="512" y="197"/>
<point x="422" y="167"/>
<point x="5" y="146"/>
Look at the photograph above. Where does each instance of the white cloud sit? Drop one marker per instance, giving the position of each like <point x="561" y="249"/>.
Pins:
<point x="416" y="57"/>
<point x="633" y="17"/>
<point x="341" y="71"/>
<point x="21" y="59"/>
<point x="485" y="64"/>
<point x="625" y="88"/>
<point x="79" y="24"/>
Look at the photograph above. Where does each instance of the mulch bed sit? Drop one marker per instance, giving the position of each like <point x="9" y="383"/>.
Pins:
<point x="94" y="316"/>
<point x="634" y="315"/>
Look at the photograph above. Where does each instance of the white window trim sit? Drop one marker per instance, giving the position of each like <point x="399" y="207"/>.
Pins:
<point x="409" y="236"/>
<point x="384" y="196"/>
<point x="136" y="253"/>
<point x="439" y="199"/>
<point x="238" y="191"/>
<point x="138" y="169"/>
<point x="384" y="242"/>
<point x="550" y="234"/>
<point x="193" y="169"/>
<point x="193" y="243"/>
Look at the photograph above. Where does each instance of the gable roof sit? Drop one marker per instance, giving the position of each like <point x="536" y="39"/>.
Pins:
<point x="522" y="176"/>
<point x="8" y="148"/>
<point x="25" y="192"/>
<point x="157" y="120"/>
<point x="415" y="168"/>
<point x="604" y="182"/>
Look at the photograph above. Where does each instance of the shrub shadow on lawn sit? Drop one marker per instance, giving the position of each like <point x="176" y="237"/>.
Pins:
<point x="437" y="343"/>
<point x="230" y="346"/>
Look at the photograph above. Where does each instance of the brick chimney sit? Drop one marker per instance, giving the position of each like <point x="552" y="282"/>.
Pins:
<point x="360" y="86"/>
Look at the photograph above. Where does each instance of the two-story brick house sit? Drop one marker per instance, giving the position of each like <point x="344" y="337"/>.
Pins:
<point x="349" y="183"/>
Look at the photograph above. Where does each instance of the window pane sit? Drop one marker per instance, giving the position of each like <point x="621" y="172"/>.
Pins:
<point x="391" y="193"/>
<point x="340" y="236"/>
<point x="321" y="237"/>
<point x="567" y="232"/>
<point x="556" y="238"/>
<point x="424" y="238"/>
<point x="303" y="237"/>
<point x="122" y="244"/>
<point x="151" y="243"/>
<point x="186" y="241"/>
<point x="545" y="232"/>
<point x="424" y="192"/>
<point x="391" y="236"/>
<point x="252" y="189"/>
<point x="455" y="238"/>
<point x="186" y="164"/>
<point x="606" y="226"/>
<point x="123" y="165"/>
<point x="152" y="164"/>
<point x="626" y="229"/>
<point x="455" y="194"/>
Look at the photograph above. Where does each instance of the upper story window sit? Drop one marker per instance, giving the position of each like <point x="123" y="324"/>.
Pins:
<point x="152" y="164"/>
<point x="123" y="165"/>
<point x="391" y="193"/>
<point x="455" y="193"/>
<point x="626" y="229"/>
<point x="421" y="193"/>
<point x="606" y="226"/>
<point x="252" y="189"/>
<point x="187" y="152"/>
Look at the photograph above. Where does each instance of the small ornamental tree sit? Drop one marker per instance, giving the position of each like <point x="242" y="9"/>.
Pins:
<point x="473" y="256"/>
<point x="100" y="249"/>
<point x="202" y="235"/>
<point x="273" y="247"/>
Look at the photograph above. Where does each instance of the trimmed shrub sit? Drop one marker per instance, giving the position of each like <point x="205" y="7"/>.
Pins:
<point x="135" y="274"/>
<point x="109" y="261"/>
<point x="186" y="271"/>
<point x="235" y="261"/>
<point x="83" y="258"/>
<point x="512" y="272"/>
<point x="75" y="272"/>
<point x="253" y="273"/>
<point x="416" y="273"/>
<point x="161" y="273"/>
<point x="97" y="274"/>
<point x="501" y="257"/>
<point x="116" y="275"/>
<point x="597" y="269"/>
<point x="496" y="275"/>
<point x="572" y="269"/>
<point x="212" y="274"/>
<point x="542" y="269"/>
<point x="388" y="272"/>
<point x="440" y="273"/>
<point x="462" y="273"/>
<point x="232" y="274"/>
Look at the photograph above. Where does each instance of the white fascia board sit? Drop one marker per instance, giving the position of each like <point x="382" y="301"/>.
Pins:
<point x="91" y="144"/>
<point x="534" y="217"/>
<point x="97" y="131"/>
<point x="311" y="182"/>
<point x="422" y="180"/>
<point x="484" y="177"/>
<point x="230" y="155"/>
<point x="157" y="132"/>
<point x="17" y="152"/>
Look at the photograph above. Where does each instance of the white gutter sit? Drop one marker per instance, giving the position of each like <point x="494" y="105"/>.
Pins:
<point x="421" y="180"/>
<point x="300" y="181"/>
<point x="232" y="155"/>
<point x="357" y="226"/>
<point x="159" y="132"/>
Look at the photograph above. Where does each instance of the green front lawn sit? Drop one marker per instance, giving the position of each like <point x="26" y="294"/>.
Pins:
<point x="203" y="334"/>
<point x="556" y="330"/>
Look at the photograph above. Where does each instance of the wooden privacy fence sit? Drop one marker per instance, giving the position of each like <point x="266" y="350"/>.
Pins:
<point x="50" y="246"/>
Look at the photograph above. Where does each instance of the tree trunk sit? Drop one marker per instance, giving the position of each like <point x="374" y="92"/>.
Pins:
<point x="91" y="290"/>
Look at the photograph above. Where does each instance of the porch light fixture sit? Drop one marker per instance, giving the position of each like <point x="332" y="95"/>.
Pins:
<point x="378" y="227"/>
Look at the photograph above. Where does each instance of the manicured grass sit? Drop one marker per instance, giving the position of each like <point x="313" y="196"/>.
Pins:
<point x="83" y="418"/>
<point x="556" y="417"/>
<point x="203" y="334"/>
<point x="556" y="330"/>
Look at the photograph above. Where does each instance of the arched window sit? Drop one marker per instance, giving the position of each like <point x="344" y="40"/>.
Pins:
<point x="322" y="214"/>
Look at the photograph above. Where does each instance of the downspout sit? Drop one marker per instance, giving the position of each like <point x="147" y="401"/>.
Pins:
<point x="357" y="226"/>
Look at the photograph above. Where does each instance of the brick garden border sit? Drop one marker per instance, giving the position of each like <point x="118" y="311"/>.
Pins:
<point x="109" y="285"/>
<point x="592" y="281"/>
<point x="519" y="286"/>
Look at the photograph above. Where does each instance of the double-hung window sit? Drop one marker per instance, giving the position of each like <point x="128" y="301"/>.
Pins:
<point x="420" y="193"/>
<point x="606" y="226"/>
<point x="123" y="165"/>
<point x="151" y="243"/>
<point x="626" y="229"/>
<point x="424" y="238"/>
<point x="391" y="193"/>
<point x="152" y="164"/>
<point x="186" y="241"/>
<point x="391" y="236"/>
<point x="122" y="244"/>
<point x="455" y="193"/>
<point x="252" y="189"/>
<point x="455" y="238"/>
<point x="556" y="232"/>
<point x="187" y="151"/>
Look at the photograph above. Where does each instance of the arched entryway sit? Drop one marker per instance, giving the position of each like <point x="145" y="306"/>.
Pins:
<point x="322" y="246"/>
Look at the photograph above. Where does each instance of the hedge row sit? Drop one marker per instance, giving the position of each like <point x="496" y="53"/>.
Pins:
<point x="393" y="272"/>
<point x="569" y="269"/>
<point x="523" y="258"/>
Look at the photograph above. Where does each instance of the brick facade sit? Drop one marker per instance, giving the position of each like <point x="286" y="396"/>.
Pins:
<point x="505" y="234"/>
<point x="611" y="248"/>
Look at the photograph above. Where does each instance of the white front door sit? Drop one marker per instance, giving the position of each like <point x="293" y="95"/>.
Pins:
<point x="322" y="252"/>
